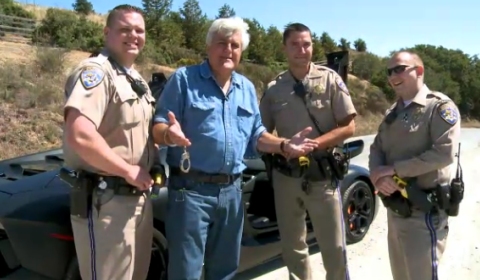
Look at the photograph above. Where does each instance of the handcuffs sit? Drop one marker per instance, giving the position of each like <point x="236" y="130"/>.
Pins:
<point x="185" y="158"/>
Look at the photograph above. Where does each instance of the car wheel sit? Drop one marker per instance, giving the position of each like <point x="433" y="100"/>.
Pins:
<point x="358" y="210"/>
<point x="73" y="271"/>
<point x="159" y="259"/>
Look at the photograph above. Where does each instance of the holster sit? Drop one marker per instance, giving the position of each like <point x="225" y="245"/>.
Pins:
<point x="332" y="165"/>
<point x="424" y="200"/>
<point x="268" y="161"/>
<point x="290" y="168"/>
<point x="397" y="203"/>
<point x="80" y="194"/>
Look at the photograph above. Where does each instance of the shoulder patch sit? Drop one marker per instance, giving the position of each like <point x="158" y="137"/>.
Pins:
<point x="341" y="84"/>
<point x="448" y="113"/>
<point x="91" y="77"/>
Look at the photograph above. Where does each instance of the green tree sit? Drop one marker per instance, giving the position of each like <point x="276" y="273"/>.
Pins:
<point x="327" y="42"/>
<point x="318" y="52"/>
<point x="194" y="25"/>
<point x="225" y="11"/>
<point x="83" y="7"/>
<point x="366" y="65"/>
<point x="360" y="45"/>
<point x="344" y="44"/>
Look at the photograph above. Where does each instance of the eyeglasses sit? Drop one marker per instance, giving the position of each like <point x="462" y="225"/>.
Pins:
<point x="398" y="69"/>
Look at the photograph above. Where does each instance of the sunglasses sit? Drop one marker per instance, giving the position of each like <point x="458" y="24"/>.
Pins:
<point x="398" y="69"/>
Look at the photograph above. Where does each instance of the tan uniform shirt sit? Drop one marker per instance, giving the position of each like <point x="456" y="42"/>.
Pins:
<point x="328" y="100"/>
<point x="103" y="94"/>
<point x="421" y="140"/>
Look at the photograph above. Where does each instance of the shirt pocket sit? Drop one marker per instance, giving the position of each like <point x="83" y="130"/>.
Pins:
<point x="319" y="104"/>
<point x="278" y="108"/>
<point x="130" y="109"/>
<point x="245" y="120"/>
<point x="202" y="115"/>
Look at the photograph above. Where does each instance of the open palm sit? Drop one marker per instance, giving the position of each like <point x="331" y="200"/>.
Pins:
<point x="299" y="144"/>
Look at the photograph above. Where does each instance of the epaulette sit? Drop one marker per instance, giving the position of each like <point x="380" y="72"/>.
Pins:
<point x="99" y="59"/>
<point x="324" y="68"/>
<point x="441" y="98"/>
<point x="438" y="95"/>
<point x="276" y="79"/>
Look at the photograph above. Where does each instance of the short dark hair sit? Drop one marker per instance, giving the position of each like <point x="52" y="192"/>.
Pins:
<point x="294" y="27"/>
<point x="122" y="8"/>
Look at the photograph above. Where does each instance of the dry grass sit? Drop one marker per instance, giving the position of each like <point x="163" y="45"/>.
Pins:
<point x="31" y="95"/>
<point x="41" y="11"/>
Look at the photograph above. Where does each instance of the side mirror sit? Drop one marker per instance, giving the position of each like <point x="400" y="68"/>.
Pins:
<point x="339" y="61"/>
<point x="353" y="148"/>
<point x="157" y="83"/>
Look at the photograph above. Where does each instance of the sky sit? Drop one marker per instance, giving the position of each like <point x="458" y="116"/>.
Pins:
<point x="384" y="25"/>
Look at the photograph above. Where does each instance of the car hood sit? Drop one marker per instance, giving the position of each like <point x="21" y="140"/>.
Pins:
<point x="27" y="184"/>
<point x="255" y="164"/>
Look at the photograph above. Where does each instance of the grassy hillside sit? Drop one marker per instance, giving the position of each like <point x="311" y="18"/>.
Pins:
<point x="32" y="79"/>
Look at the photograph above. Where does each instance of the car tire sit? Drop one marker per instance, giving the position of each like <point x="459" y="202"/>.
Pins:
<point x="358" y="210"/>
<point x="158" y="262"/>
<point x="73" y="271"/>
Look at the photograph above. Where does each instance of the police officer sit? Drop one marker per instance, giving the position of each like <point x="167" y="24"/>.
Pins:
<point x="108" y="115"/>
<point x="328" y="107"/>
<point x="209" y="113"/>
<point x="417" y="140"/>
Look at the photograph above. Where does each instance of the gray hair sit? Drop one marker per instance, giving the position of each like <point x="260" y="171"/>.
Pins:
<point x="228" y="26"/>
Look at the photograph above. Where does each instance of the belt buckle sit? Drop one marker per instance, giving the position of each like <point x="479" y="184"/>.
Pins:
<point x="226" y="179"/>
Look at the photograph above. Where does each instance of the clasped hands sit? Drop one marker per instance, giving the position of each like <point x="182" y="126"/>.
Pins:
<point x="382" y="179"/>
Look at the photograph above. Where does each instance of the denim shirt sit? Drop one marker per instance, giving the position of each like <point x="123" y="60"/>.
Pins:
<point x="223" y="129"/>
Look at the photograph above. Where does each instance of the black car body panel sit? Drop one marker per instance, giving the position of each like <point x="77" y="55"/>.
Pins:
<point x="36" y="238"/>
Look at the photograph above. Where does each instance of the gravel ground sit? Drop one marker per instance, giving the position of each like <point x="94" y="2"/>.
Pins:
<point x="369" y="258"/>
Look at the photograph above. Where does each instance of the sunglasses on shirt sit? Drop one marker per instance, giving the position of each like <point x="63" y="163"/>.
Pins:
<point x="399" y="69"/>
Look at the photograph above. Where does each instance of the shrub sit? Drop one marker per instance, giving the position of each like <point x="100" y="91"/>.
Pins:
<point x="62" y="28"/>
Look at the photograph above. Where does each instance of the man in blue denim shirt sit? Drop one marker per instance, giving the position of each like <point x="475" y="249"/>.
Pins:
<point x="213" y="111"/>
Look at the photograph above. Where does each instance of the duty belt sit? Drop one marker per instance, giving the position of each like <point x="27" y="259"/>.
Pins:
<point x="119" y="185"/>
<point x="205" y="177"/>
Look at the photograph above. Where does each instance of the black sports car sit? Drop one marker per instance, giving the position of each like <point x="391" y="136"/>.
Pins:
<point x="36" y="240"/>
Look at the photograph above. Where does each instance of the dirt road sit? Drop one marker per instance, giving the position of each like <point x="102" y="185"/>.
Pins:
<point x="369" y="258"/>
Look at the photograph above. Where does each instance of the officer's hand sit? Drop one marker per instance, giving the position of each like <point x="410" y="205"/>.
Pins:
<point x="380" y="172"/>
<point x="175" y="133"/>
<point x="299" y="144"/>
<point x="386" y="185"/>
<point x="139" y="178"/>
